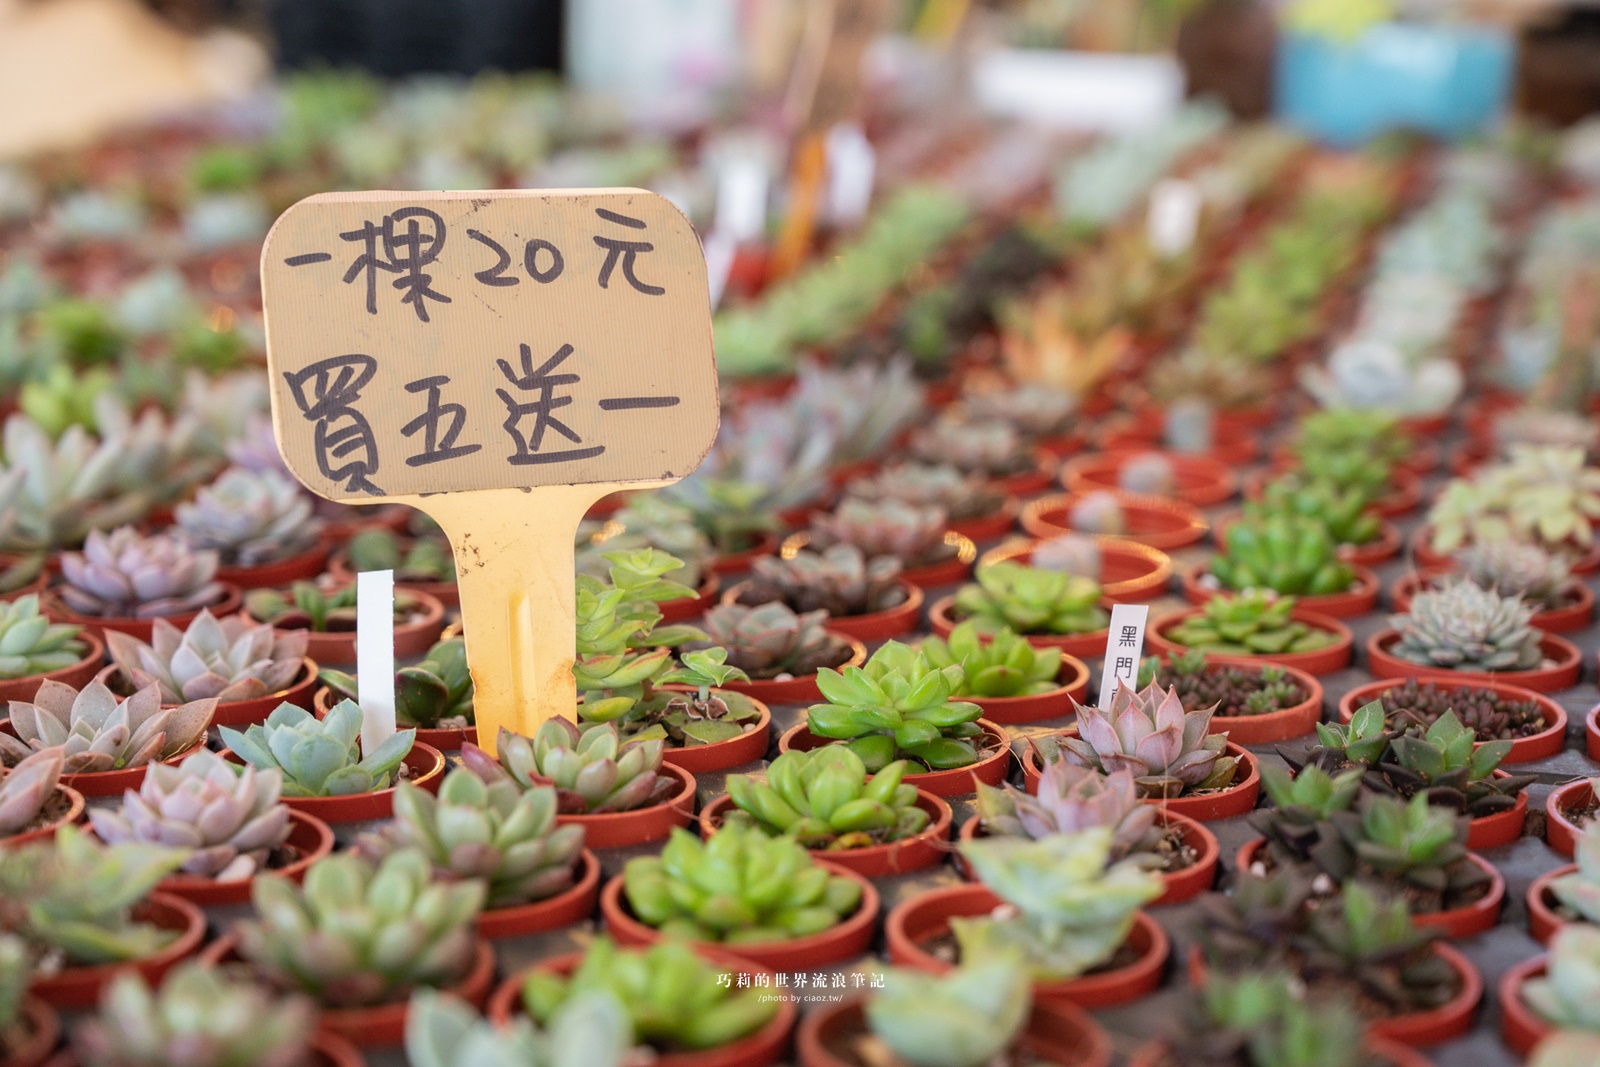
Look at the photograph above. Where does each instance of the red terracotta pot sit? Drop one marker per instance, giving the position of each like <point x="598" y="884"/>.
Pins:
<point x="1200" y="481"/>
<point x="1591" y="731"/>
<point x="1359" y="599"/>
<point x="571" y="905"/>
<point x="57" y="611"/>
<point x="988" y="527"/>
<point x="1543" y="920"/>
<point x="445" y="593"/>
<point x="777" y="691"/>
<point x="1403" y="497"/>
<point x="739" y="562"/>
<point x="76" y="675"/>
<point x="42" y="1026"/>
<point x="311" y="838"/>
<point x="1584" y="562"/>
<point x="1501" y="828"/>
<point x="1565" y="664"/>
<point x="72" y="816"/>
<point x="874" y="861"/>
<point x="411" y="639"/>
<point x="614" y="829"/>
<point x="1275" y="726"/>
<point x="1520" y="1027"/>
<point x="241" y="713"/>
<point x="1008" y="711"/>
<point x="1334" y="657"/>
<point x="926" y="917"/>
<point x="721" y="755"/>
<point x="1560" y="831"/>
<point x="1233" y="445"/>
<point x="1057" y="1033"/>
<point x="1546" y="742"/>
<point x="956" y="569"/>
<point x="1091" y="645"/>
<point x="685" y="608"/>
<point x="957" y="782"/>
<point x="300" y="567"/>
<point x="872" y="626"/>
<point x="1575" y="614"/>
<point x="1181" y="885"/>
<point x="1151" y="520"/>
<point x="1381" y="549"/>
<point x="112" y="783"/>
<point x="1129" y="572"/>
<point x="393" y="517"/>
<point x="766" y="1046"/>
<point x="1238" y="799"/>
<point x="427" y="770"/>
<point x="444" y="739"/>
<point x="843" y="941"/>
<point x="80" y="987"/>
<point x="1027" y="483"/>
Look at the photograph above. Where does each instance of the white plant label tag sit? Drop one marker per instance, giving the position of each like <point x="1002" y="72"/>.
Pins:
<point x="375" y="656"/>
<point x="852" y="168"/>
<point x="1124" y="648"/>
<point x="742" y="185"/>
<point x="1174" y="216"/>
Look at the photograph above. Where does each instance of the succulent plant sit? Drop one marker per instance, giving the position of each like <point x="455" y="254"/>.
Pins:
<point x="867" y="405"/>
<point x="967" y="1018"/>
<point x="444" y="1031"/>
<point x="249" y="518"/>
<point x="672" y="995"/>
<point x="703" y="715"/>
<point x="1073" y="908"/>
<point x="498" y="833"/>
<point x="433" y="695"/>
<point x="198" y="1016"/>
<point x="772" y="640"/>
<point x="359" y="934"/>
<point x="98" y="732"/>
<point x="1566" y="1048"/>
<point x="1230" y="384"/>
<point x="991" y="448"/>
<point x="124" y="574"/>
<point x="1070" y="798"/>
<point x="1069" y="553"/>
<point x="898" y="706"/>
<point x="1254" y="623"/>
<point x="1037" y="411"/>
<point x="1233" y="691"/>
<point x="308" y="606"/>
<point x="1543" y="495"/>
<point x="229" y="821"/>
<point x="740" y="886"/>
<point x="1031" y="600"/>
<point x="1361" y="742"/>
<point x="425" y="559"/>
<point x="647" y="520"/>
<point x="1370" y="373"/>
<point x="1515" y="569"/>
<point x="840" y="580"/>
<point x="1005" y="665"/>
<point x="1450" y="767"/>
<point x="320" y="757"/>
<point x="960" y="495"/>
<point x="26" y="789"/>
<point x="732" y="514"/>
<point x="1287" y="554"/>
<point x="15" y="973"/>
<point x="1100" y="512"/>
<point x="72" y="898"/>
<point x="915" y="535"/>
<point x="1148" y="733"/>
<point x="824" y="799"/>
<point x="1343" y="513"/>
<point x="1465" y="627"/>
<point x="229" y="659"/>
<point x="1376" y="435"/>
<point x="593" y="772"/>
<point x="1578" y="893"/>
<point x="1061" y="339"/>
<point x="1265" y="1019"/>
<point x="1411" y="706"/>
<point x="30" y="644"/>
<point x="64" y="489"/>
<point x="1568" y="995"/>
<point x="1297" y="827"/>
<point x="771" y="459"/>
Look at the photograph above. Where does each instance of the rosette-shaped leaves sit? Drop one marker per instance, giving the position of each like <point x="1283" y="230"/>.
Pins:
<point x="30" y="645"/>
<point x="898" y="706"/>
<point x="1071" y="798"/>
<point x="320" y="757"/>
<point x="1579" y="892"/>
<point x="444" y="1031"/>
<point x="124" y="574"/>
<point x="98" y="732"/>
<point x="249" y="518"/>
<point x="1006" y="665"/>
<point x="1031" y="600"/>
<point x="771" y="640"/>
<point x="593" y="771"/>
<point x="824" y="799"/>
<point x="1147" y="733"/>
<point x="228" y="659"/>
<point x="1467" y="628"/>
<point x="434" y="694"/>
<point x="1568" y="996"/>
<point x="25" y="789"/>
<point x="966" y="1018"/>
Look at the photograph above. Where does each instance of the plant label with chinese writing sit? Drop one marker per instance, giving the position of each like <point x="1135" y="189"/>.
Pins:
<point x="500" y="360"/>
<point x="1124" y="648"/>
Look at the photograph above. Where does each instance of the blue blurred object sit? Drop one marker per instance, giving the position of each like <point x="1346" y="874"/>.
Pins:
<point x="1449" y="81"/>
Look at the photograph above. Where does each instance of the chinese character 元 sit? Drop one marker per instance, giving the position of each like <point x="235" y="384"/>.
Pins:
<point x="405" y="251"/>
<point x="627" y="251"/>
<point x="326" y="393"/>
<point x="545" y="383"/>
<point x="436" y="446"/>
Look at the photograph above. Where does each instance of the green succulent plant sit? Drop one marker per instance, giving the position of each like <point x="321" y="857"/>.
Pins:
<point x="1074" y="908"/>
<point x="1360" y="742"/>
<point x="738" y="887"/>
<point x="898" y="706"/>
<point x="30" y="644"/>
<point x="1545" y="495"/>
<point x="198" y="1015"/>
<point x="1284" y="553"/>
<point x="1254" y="623"/>
<point x="1568" y="996"/>
<point x="425" y="559"/>
<point x="1375" y="435"/>
<point x="672" y="995"/>
<point x="308" y="606"/>
<point x="647" y="520"/>
<point x="1148" y="733"/>
<point x="1030" y="600"/>
<point x="967" y="1018"/>
<point x="72" y="898"/>
<point x="1264" y="1019"/>
<point x="1234" y="691"/>
<point x="825" y="800"/>
<point x="1450" y="767"/>
<point x="1343" y="513"/>
<point x="320" y="757"/>
<point x="1578" y="893"/>
<point x="1413" y="705"/>
<point x="1004" y="665"/>
<point x="444" y="1031"/>
<point x="594" y="772"/>
<point x="432" y="695"/>
<point x="360" y="934"/>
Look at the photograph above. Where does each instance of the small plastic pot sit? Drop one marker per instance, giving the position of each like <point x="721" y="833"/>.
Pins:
<point x="573" y="904"/>
<point x="1546" y="742"/>
<point x="988" y="527"/>
<point x="764" y="1047"/>
<point x="1233" y="444"/>
<point x="42" y="1026"/>
<point x="1200" y="481"/>
<point x="1129" y="572"/>
<point x="80" y="987"/>
<point x="112" y="783"/>
<point x="1575" y="614"/>
<point x="1543" y="919"/>
<point x="616" y="829"/>
<point x="720" y="755"/>
<point x="445" y="739"/>
<point x="427" y="770"/>
<point x="1238" y="799"/>
<point x="300" y="567"/>
<point x="1521" y="1028"/>
<point x="1057" y="1033"/>
<point x="1091" y="645"/>
<point x="142" y="628"/>
<point x="1380" y="549"/>
<point x="874" y="861"/>
<point x="73" y="814"/>
<point x="926" y="917"/>
<point x="778" y="691"/>
<point x="1282" y="725"/>
<point x="1560" y="831"/>
<point x="311" y="838"/>
<point x="1151" y="520"/>
<point x="692" y="607"/>
<point x="872" y="626"/>
<point x="956" y="782"/>
<point x="1334" y="657"/>
<point x="845" y="940"/>
<point x="411" y="638"/>
<point x="956" y="569"/>
<point x="1565" y="665"/>
<point x="77" y="674"/>
<point x="1010" y="711"/>
<point x="1359" y="599"/>
<point x="1472" y="919"/>
<point x="1030" y="482"/>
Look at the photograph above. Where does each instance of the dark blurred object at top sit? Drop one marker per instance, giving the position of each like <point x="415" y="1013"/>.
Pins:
<point x="1558" y="66"/>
